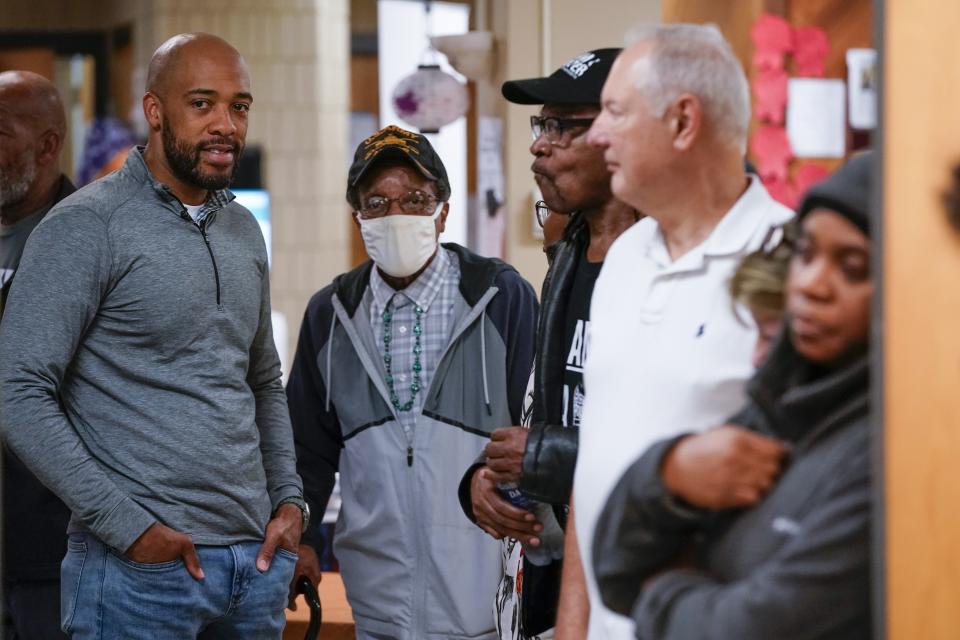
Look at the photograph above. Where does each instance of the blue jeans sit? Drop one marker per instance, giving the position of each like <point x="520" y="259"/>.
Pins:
<point x="104" y="595"/>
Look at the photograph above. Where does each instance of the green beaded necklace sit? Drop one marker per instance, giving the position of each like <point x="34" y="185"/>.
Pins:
<point x="388" y="359"/>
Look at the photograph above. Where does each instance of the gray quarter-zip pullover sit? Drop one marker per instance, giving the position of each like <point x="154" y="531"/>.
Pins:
<point x="138" y="374"/>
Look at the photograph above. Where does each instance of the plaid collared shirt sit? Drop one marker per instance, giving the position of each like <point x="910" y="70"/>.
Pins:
<point x="215" y="201"/>
<point x="435" y="292"/>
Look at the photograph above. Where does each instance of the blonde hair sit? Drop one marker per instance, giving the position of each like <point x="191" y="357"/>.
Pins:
<point x="760" y="279"/>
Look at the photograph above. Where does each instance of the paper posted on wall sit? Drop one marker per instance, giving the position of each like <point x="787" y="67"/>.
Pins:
<point x="816" y="118"/>
<point x="490" y="220"/>
<point x="862" y="87"/>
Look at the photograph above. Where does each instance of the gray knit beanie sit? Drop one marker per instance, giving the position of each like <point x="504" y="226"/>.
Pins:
<point x="847" y="192"/>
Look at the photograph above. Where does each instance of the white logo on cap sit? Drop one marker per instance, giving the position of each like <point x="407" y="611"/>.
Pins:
<point x="579" y="65"/>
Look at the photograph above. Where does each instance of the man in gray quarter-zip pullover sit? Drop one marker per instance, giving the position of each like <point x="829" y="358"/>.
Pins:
<point x="139" y="380"/>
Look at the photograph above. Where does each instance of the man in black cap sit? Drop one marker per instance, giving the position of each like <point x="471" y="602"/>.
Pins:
<point x="540" y="459"/>
<point x="404" y="368"/>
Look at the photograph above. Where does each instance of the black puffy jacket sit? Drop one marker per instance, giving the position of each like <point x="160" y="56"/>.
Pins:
<point x="551" y="452"/>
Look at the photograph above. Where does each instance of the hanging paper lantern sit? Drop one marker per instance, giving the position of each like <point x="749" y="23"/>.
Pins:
<point x="430" y="98"/>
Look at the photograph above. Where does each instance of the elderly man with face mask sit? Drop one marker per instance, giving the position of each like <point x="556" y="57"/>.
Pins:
<point x="404" y="368"/>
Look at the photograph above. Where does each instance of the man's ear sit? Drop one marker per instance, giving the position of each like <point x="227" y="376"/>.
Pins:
<point x="48" y="147"/>
<point x="152" y="110"/>
<point x="442" y="219"/>
<point x="686" y="121"/>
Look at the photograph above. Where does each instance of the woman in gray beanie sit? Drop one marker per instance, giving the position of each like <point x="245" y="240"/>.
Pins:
<point x="760" y="528"/>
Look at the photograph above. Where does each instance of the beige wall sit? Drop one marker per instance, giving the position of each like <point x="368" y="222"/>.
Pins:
<point x="577" y="26"/>
<point x="298" y="53"/>
<point x="573" y="27"/>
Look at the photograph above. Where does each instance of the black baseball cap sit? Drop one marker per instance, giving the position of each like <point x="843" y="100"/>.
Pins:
<point x="579" y="81"/>
<point x="394" y="142"/>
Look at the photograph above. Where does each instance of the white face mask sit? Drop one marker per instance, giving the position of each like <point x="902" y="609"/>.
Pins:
<point x="400" y="244"/>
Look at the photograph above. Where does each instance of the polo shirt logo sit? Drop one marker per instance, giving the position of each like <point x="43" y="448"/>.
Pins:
<point x="700" y="330"/>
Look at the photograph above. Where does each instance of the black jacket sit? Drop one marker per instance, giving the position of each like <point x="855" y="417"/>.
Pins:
<point x="35" y="520"/>
<point x="795" y="566"/>
<point x="551" y="451"/>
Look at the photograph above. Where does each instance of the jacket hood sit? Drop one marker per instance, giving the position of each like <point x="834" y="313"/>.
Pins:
<point x="796" y="395"/>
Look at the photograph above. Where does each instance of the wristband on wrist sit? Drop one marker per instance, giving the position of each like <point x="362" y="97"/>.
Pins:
<point x="301" y="504"/>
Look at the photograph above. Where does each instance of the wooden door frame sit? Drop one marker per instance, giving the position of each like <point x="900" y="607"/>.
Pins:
<point x="98" y="44"/>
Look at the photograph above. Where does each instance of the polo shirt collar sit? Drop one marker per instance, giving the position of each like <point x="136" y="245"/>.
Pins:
<point x="730" y="237"/>
<point x="739" y="225"/>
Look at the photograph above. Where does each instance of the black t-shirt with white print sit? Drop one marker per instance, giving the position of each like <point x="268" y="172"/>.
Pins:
<point x="577" y="338"/>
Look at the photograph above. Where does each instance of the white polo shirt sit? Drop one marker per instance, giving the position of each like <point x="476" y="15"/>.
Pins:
<point x="667" y="355"/>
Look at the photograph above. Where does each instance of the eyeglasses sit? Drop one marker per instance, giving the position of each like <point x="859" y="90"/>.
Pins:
<point x="415" y="203"/>
<point x="542" y="212"/>
<point x="554" y="128"/>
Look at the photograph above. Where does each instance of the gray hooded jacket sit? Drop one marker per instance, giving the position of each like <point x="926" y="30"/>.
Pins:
<point x="414" y="566"/>
<point x="796" y="566"/>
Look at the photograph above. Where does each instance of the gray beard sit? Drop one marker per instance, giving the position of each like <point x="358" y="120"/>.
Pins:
<point x="14" y="188"/>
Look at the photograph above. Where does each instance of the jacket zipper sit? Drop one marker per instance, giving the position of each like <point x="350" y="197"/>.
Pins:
<point x="358" y="347"/>
<point x="206" y="241"/>
<point x="216" y="271"/>
<point x="417" y="601"/>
